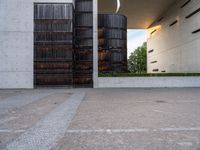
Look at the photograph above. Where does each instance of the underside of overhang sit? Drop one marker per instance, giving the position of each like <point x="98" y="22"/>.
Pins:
<point x="141" y="13"/>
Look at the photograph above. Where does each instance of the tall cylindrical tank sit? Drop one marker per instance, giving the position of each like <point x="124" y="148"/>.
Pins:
<point x="112" y="29"/>
<point x="83" y="43"/>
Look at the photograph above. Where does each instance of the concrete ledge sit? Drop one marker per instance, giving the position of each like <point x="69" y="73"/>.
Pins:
<point x="148" y="82"/>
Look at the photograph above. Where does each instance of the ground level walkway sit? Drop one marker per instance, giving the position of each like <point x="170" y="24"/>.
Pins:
<point x="100" y="119"/>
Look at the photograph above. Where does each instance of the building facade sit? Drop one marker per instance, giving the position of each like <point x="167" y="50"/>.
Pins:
<point x="174" y="39"/>
<point x="88" y="44"/>
<point x="55" y="43"/>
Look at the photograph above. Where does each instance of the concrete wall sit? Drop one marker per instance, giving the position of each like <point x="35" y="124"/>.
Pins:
<point x="176" y="49"/>
<point x="95" y="43"/>
<point x="16" y="42"/>
<point x="148" y="82"/>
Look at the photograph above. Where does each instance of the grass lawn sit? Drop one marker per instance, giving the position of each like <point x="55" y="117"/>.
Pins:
<point x="148" y="75"/>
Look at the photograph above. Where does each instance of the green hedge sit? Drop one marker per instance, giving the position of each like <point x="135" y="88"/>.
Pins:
<point x="148" y="75"/>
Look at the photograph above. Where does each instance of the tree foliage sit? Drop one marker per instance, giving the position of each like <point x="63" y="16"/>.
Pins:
<point x="137" y="62"/>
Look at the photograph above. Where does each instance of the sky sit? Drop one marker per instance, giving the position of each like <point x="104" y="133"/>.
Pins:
<point x="135" y="38"/>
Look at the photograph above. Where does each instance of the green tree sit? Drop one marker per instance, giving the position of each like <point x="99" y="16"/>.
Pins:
<point x="137" y="62"/>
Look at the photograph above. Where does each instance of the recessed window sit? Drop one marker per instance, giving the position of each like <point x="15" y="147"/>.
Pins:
<point x="163" y="71"/>
<point x="193" y="13"/>
<point x="155" y="70"/>
<point x="196" y="31"/>
<point x="153" y="62"/>
<point x="153" y="31"/>
<point x="150" y="51"/>
<point x="187" y="2"/>
<point x="173" y="23"/>
<point x="160" y="19"/>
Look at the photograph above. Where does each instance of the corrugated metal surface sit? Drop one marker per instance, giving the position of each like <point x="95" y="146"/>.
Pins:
<point x="53" y="11"/>
<point x="83" y="43"/>
<point x="53" y="40"/>
<point x="63" y="44"/>
<point x="112" y="43"/>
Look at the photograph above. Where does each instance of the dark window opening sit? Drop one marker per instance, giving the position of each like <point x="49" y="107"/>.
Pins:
<point x="187" y="2"/>
<point x="173" y="23"/>
<point x="150" y="51"/>
<point x="160" y="19"/>
<point x="153" y="62"/>
<point x="193" y="13"/>
<point x="196" y="31"/>
<point x="153" y="31"/>
<point x="155" y="70"/>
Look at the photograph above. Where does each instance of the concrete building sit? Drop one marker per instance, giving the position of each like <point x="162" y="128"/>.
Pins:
<point x="174" y="39"/>
<point x="173" y="27"/>
<point x="173" y="44"/>
<point x="17" y="42"/>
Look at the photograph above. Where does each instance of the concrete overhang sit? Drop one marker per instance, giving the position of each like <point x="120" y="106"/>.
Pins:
<point x="141" y="13"/>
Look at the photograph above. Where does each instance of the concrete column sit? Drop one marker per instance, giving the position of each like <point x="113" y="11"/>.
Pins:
<point x="95" y="43"/>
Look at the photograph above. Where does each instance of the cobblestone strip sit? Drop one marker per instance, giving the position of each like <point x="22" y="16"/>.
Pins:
<point x="47" y="132"/>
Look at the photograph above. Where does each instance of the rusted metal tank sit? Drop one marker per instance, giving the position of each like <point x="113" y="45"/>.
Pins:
<point x="112" y="29"/>
<point x="83" y="43"/>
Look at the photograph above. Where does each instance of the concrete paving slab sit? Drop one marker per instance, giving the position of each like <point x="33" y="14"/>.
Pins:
<point x="128" y="109"/>
<point x="8" y="93"/>
<point x="130" y="141"/>
<point x="139" y="119"/>
<point x="45" y="134"/>
<point x="109" y="119"/>
<point x="17" y="121"/>
<point x="22" y="99"/>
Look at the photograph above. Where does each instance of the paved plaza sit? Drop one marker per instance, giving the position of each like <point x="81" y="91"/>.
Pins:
<point x="100" y="119"/>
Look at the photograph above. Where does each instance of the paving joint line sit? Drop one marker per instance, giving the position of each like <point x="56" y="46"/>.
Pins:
<point x="139" y="130"/>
